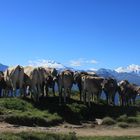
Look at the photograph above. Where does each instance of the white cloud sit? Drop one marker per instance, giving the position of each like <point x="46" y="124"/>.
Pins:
<point x="81" y="61"/>
<point x="93" y="61"/>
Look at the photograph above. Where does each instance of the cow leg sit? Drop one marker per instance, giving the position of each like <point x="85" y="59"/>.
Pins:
<point x="84" y="96"/>
<point x="113" y="99"/>
<point x="69" y="92"/>
<point x="134" y="101"/>
<point x="0" y="92"/>
<point x="53" y="88"/>
<point x="98" y="97"/>
<point x="107" y="98"/>
<point x="53" y="91"/>
<point x="60" y="95"/>
<point x="46" y="90"/>
<point x="89" y="94"/>
<point x="80" y="92"/>
<point x="65" y="91"/>
<point x="14" y="93"/>
<point x="80" y="95"/>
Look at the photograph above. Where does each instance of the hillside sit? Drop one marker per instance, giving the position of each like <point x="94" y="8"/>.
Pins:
<point x="48" y="112"/>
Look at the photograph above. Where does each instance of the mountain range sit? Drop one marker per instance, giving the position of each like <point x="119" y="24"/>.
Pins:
<point x="130" y="73"/>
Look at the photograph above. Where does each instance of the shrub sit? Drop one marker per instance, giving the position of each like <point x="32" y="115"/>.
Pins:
<point x="79" y="111"/>
<point x="126" y="119"/>
<point x="132" y="120"/>
<point x="122" y="118"/>
<point x="123" y="124"/>
<point x="33" y="119"/>
<point x="108" y="121"/>
<point x="37" y="136"/>
<point x="15" y="104"/>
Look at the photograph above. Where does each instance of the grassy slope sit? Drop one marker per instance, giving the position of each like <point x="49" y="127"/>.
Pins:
<point x="48" y="112"/>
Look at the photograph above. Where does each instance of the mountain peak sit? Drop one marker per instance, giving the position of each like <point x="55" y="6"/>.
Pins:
<point x="3" y="67"/>
<point x="47" y="63"/>
<point x="129" y="69"/>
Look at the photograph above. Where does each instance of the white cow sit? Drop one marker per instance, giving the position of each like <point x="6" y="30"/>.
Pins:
<point x="65" y="81"/>
<point x="91" y="86"/>
<point x="33" y="80"/>
<point x="13" y="77"/>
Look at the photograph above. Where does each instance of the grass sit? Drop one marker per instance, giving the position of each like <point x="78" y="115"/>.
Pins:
<point x="49" y="136"/>
<point x="18" y="111"/>
<point x="110" y="138"/>
<point x="45" y="113"/>
<point x="37" y="136"/>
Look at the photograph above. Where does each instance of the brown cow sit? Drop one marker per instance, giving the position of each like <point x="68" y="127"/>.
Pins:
<point x="13" y="77"/>
<point x="65" y="81"/>
<point x="110" y="89"/>
<point x="91" y="86"/>
<point x="128" y="92"/>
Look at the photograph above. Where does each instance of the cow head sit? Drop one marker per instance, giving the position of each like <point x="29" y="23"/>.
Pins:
<point x="76" y="77"/>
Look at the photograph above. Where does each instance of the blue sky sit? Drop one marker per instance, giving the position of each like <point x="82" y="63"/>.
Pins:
<point x="78" y="33"/>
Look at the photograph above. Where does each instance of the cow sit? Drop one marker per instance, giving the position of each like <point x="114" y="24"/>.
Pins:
<point x="43" y="79"/>
<point x="14" y="77"/>
<point x="33" y="80"/>
<point x="128" y="92"/>
<point x="78" y="80"/>
<point x="110" y="88"/>
<point x="2" y="83"/>
<point x="52" y="78"/>
<point x="65" y="81"/>
<point x="92" y="86"/>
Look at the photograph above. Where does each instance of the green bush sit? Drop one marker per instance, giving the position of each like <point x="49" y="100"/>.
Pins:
<point x="37" y="136"/>
<point x="126" y="119"/>
<point x="15" y="104"/>
<point x="78" y="111"/>
<point x="122" y="118"/>
<point x="123" y="124"/>
<point x="132" y="120"/>
<point x="33" y="120"/>
<point x="108" y="121"/>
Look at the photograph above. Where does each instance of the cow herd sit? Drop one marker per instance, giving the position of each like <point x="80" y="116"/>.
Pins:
<point x="36" y="81"/>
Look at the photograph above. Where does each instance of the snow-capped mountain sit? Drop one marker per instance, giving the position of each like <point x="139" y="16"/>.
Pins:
<point x="3" y="67"/>
<point x="130" y="73"/>
<point x="129" y="69"/>
<point x="49" y="64"/>
<point x="132" y="77"/>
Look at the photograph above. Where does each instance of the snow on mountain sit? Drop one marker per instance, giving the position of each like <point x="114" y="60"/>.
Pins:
<point x="129" y="69"/>
<point x="130" y="76"/>
<point x="47" y="63"/>
<point x="3" y="67"/>
<point x="130" y="73"/>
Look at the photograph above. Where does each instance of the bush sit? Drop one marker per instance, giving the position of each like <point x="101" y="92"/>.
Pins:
<point x="132" y="120"/>
<point x="122" y="118"/>
<point x="33" y="120"/>
<point x="108" y="121"/>
<point x="126" y="119"/>
<point x="15" y="104"/>
<point x="37" y="136"/>
<point x="123" y="124"/>
<point x="78" y="111"/>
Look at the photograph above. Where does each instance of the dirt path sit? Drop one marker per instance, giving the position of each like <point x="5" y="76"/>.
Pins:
<point x="79" y="130"/>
